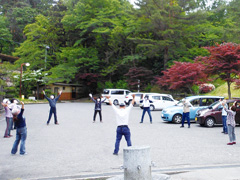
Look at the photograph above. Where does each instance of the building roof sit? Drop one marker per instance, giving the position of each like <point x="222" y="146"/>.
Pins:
<point x="66" y="84"/>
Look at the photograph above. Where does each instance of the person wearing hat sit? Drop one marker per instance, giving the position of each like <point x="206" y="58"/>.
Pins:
<point x="146" y="108"/>
<point x="122" y="118"/>
<point x="186" y="111"/>
<point x="98" y="107"/>
<point x="21" y="130"/>
<point x="9" y="118"/>
<point x="12" y="106"/>
<point x="52" y="103"/>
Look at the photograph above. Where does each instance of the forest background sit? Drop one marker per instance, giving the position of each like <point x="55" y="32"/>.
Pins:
<point x="113" y="44"/>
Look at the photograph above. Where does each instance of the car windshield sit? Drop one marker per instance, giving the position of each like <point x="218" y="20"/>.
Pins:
<point x="214" y="105"/>
<point x="105" y="91"/>
<point x="180" y="103"/>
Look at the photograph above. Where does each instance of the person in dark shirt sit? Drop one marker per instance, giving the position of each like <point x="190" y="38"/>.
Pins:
<point x="98" y="107"/>
<point x="21" y="130"/>
<point x="52" y="103"/>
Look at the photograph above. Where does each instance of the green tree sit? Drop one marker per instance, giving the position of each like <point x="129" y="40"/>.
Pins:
<point x="20" y="13"/>
<point x="41" y="45"/>
<point x="31" y="80"/>
<point x="6" y="79"/>
<point x="73" y="61"/>
<point x="5" y="37"/>
<point x="102" y="25"/>
<point x="19" y="16"/>
<point x="41" y="5"/>
<point x="233" y="29"/>
<point x="159" y="28"/>
<point x="175" y="30"/>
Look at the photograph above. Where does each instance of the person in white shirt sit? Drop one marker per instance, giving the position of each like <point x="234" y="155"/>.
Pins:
<point x="146" y="108"/>
<point x="223" y="105"/>
<point x="122" y="118"/>
<point x="185" y="114"/>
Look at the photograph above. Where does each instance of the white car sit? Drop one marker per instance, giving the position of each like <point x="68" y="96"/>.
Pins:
<point x="138" y="97"/>
<point x="160" y="101"/>
<point x="117" y="96"/>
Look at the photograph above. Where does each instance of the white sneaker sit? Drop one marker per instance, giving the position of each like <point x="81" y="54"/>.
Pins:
<point x="23" y="154"/>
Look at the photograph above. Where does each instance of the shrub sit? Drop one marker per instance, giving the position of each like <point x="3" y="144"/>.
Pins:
<point x="205" y="88"/>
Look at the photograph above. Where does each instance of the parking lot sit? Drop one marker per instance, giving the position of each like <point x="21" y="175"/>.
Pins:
<point x="80" y="148"/>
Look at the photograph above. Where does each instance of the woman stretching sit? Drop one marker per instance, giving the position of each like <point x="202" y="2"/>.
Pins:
<point x="21" y="130"/>
<point x="53" y="110"/>
<point x="98" y="107"/>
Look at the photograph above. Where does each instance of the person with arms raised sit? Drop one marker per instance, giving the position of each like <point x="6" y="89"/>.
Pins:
<point x="122" y="117"/>
<point x="53" y="110"/>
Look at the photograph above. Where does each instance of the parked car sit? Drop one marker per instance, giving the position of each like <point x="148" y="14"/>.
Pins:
<point x="117" y="96"/>
<point x="213" y="115"/>
<point x="174" y="113"/>
<point x="138" y="96"/>
<point x="159" y="101"/>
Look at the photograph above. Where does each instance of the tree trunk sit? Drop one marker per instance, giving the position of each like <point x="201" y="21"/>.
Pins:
<point x="37" y="91"/>
<point x="134" y="65"/>
<point x="229" y="90"/>
<point x="165" y="57"/>
<point x="190" y="89"/>
<point x="1" y="97"/>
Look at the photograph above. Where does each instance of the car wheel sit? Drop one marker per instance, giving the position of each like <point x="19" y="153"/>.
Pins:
<point x="209" y="122"/>
<point x="152" y="108"/>
<point x="177" y="118"/>
<point x="115" y="102"/>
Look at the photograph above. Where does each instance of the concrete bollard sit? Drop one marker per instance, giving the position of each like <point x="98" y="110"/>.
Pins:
<point x="137" y="163"/>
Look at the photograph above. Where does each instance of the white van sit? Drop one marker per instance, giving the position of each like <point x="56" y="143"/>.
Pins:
<point x="117" y="96"/>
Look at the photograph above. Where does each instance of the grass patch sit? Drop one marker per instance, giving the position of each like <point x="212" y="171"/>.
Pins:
<point x="222" y="90"/>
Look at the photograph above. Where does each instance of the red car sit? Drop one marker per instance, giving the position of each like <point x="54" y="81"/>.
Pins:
<point x="213" y="115"/>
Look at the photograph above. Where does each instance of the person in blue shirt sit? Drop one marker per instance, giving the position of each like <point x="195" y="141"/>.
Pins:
<point x="21" y="130"/>
<point x="98" y="107"/>
<point x="223" y="105"/>
<point x="53" y="110"/>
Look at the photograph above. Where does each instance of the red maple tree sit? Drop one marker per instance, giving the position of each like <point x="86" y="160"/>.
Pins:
<point x="223" y="62"/>
<point x="182" y="75"/>
<point x="89" y="80"/>
<point x="139" y="76"/>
